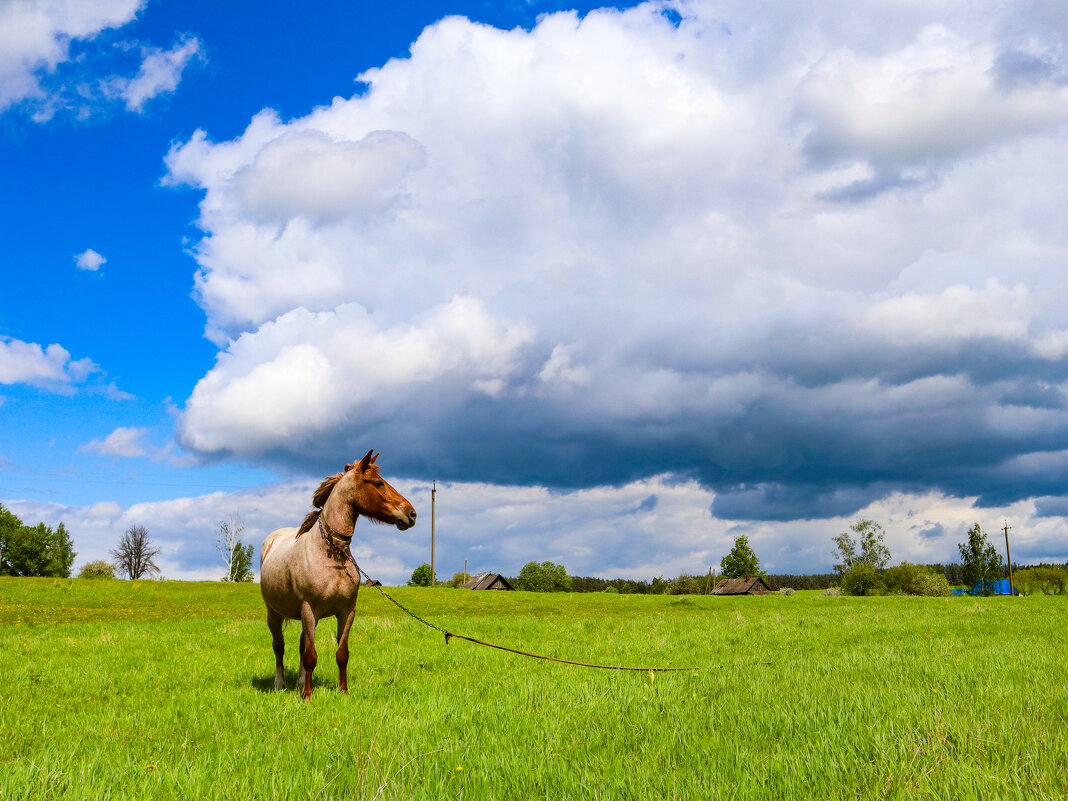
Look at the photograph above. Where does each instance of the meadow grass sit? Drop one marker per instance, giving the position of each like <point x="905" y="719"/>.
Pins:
<point x="163" y="690"/>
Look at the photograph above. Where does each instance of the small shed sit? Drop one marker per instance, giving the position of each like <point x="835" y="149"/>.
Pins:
<point x="488" y="581"/>
<point x="750" y="585"/>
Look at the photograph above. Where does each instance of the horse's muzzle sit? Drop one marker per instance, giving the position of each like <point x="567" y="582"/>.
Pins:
<point x="406" y="523"/>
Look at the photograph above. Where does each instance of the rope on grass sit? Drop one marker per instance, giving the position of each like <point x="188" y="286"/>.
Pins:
<point x="449" y="635"/>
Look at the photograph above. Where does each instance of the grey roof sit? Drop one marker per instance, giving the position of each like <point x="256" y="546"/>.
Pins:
<point x="753" y="585"/>
<point x="488" y="581"/>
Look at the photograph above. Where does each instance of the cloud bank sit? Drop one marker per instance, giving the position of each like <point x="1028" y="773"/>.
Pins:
<point x="805" y="255"/>
<point x="651" y="527"/>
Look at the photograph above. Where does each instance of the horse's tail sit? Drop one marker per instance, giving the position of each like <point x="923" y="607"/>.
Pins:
<point x="309" y="521"/>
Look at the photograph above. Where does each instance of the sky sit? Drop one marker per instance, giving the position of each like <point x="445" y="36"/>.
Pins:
<point x="627" y="282"/>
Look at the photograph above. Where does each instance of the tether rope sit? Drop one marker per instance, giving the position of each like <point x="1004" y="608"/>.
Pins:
<point x="449" y="635"/>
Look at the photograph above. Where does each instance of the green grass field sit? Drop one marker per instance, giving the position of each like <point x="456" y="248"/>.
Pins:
<point x="162" y="690"/>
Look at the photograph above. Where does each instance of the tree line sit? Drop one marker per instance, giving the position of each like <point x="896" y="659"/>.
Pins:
<point x="862" y="568"/>
<point x="42" y="551"/>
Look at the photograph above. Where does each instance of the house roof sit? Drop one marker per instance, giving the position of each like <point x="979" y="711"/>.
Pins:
<point x="753" y="585"/>
<point x="485" y="581"/>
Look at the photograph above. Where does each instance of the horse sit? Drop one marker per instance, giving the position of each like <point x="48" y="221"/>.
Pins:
<point x="307" y="575"/>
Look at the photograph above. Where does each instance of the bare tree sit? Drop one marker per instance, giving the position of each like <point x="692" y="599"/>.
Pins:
<point x="236" y="556"/>
<point x="135" y="555"/>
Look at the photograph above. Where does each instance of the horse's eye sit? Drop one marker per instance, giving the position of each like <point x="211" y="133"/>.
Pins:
<point x="380" y="484"/>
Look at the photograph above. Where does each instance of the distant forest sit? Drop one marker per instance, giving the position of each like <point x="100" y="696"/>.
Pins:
<point x="954" y="574"/>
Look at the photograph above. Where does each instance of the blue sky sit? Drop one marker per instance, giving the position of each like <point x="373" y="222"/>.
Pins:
<point x="627" y="281"/>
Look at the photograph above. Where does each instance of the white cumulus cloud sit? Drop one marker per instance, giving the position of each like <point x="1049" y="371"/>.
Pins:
<point x="127" y="442"/>
<point x="89" y="260"/>
<point x="160" y="73"/>
<point x="50" y="367"/>
<point x="35" y="37"/>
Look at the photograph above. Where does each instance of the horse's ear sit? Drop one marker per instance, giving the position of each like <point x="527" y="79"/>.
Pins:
<point x="373" y="458"/>
<point x="366" y="460"/>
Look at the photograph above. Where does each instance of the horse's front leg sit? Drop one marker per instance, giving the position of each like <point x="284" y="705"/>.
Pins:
<point x="344" y="623"/>
<point x="308" y="657"/>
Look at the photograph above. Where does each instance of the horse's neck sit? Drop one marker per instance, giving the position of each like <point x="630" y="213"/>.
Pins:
<point x="340" y="516"/>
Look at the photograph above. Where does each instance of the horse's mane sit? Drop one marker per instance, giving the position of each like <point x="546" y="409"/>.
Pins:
<point x="319" y="501"/>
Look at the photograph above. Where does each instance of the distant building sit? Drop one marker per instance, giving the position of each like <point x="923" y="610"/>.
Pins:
<point x="488" y="581"/>
<point x="754" y="585"/>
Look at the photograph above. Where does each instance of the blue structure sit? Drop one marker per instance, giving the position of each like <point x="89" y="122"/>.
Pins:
<point x="999" y="587"/>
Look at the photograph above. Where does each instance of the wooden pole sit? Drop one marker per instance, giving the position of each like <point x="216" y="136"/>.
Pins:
<point x="465" y="571"/>
<point x="1008" y="554"/>
<point x="708" y="581"/>
<point x="433" y="503"/>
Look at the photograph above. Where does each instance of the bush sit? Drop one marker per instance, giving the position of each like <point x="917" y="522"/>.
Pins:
<point x="831" y="591"/>
<point x="611" y="590"/>
<point x="786" y="591"/>
<point x="931" y="584"/>
<point x="862" y="579"/>
<point x="910" y="579"/>
<point x="686" y="585"/>
<point x="97" y="570"/>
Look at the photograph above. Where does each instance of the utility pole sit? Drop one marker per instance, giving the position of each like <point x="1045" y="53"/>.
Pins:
<point x="708" y="581"/>
<point x="433" y="501"/>
<point x="1008" y="554"/>
<point x="465" y="571"/>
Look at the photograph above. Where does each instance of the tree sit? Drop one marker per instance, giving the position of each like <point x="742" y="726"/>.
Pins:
<point x="982" y="563"/>
<point x="872" y="549"/>
<point x="236" y="556"/>
<point x="135" y="555"/>
<point x="421" y="576"/>
<point x="97" y="570"/>
<point x="458" y="580"/>
<point x="34" y="550"/>
<point x="741" y="562"/>
<point x="1044" y="579"/>
<point x="543" y="577"/>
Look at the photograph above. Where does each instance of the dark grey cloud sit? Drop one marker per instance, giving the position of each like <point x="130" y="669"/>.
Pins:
<point x="932" y="532"/>
<point x="1056" y="506"/>
<point x="868" y="188"/>
<point x="1017" y="68"/>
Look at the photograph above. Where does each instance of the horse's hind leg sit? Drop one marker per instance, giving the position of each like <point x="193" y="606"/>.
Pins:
<point x="308" y="657"/>
<point x="344" y="623"/>
<point x="274" y="623"/>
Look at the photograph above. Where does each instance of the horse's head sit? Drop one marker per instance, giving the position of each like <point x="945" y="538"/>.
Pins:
<point x="372" y="496"/>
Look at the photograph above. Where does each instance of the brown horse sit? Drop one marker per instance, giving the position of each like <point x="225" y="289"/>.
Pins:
<point x="308" y="574"/>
